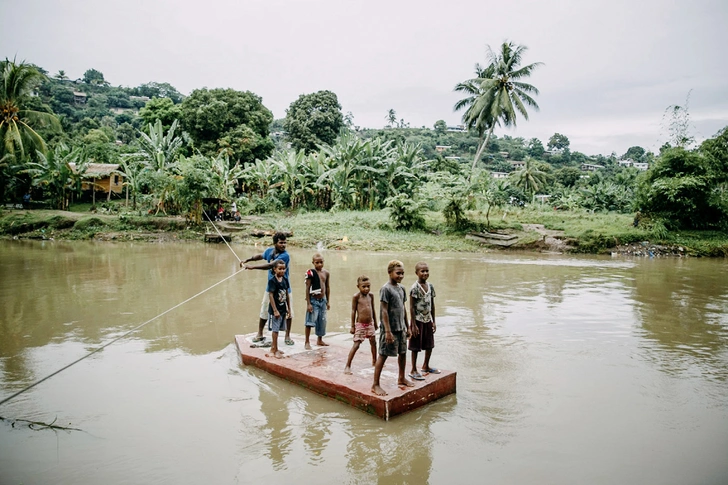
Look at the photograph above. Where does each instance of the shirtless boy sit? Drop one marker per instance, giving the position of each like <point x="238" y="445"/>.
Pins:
<point x="422" y="326"/>
<point x="363" y="320"/>
<point x="318" y="282"/>
<point x="394" y="330"/>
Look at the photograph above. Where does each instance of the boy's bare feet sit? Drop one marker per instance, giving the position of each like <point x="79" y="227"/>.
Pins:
<point x="405" y="382"/>
<point x="379" y="391"/>
<point x="347" y="370"/>
<point x="307" y="346"/>
<point x="278" y="354"/>
<point x="321" y="343"/>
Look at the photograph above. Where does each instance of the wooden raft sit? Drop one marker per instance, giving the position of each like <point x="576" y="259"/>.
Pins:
<point x="321" y="370"/>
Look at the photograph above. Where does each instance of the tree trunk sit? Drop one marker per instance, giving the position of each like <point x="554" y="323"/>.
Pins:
<point x="480" y="150"/>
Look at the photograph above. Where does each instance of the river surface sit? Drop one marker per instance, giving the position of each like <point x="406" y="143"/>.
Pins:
<point x="571" y="370"/>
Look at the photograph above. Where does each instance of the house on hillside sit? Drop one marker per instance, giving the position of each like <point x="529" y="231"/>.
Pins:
<point x="499" y="175"/>
<point x="457" y="129"/>
<point x="79" y="97"/>
<point x="590" y="167"/>
<point x="518" y="164"/>
<point x="102" y="177"/>
<point x="441" y="148"/>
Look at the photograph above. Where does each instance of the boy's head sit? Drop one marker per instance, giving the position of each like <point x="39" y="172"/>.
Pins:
<point x="279" y="241"/>
<point x="318" y="261"/>
<point x="279" y="268"/>
<point x="363" y="284"/>
<point x="422" y="271"/>
<point x="395" y="268"/>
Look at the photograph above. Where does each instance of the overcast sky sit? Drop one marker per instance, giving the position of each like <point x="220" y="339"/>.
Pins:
<point x="610" y="67"/>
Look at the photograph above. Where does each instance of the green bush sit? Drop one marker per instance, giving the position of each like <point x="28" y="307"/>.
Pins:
<point x="405" y="213"/>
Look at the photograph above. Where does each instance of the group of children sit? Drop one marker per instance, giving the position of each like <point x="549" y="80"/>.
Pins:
<point x="396" y="329"/>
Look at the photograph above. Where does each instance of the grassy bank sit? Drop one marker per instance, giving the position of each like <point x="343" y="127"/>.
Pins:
<point x="537" y="228"/>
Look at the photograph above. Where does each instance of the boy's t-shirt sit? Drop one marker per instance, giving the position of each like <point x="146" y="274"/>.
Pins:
<point x="280" y="292"/>
<point x="394" y="297"/>
<point x="284" y="256"/>
<point x="422" y="302"/>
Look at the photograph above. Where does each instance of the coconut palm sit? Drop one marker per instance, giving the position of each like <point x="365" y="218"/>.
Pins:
<point x="496" y="94"/>
<point x="530" y="179"/>
<point x="18" y="124"/>
<point x="61" y="75"/>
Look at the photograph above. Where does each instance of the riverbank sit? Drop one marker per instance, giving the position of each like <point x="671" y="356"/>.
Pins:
<point x="536" y="229"/>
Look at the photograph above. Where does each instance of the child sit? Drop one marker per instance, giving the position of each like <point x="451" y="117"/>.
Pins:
<point x="317" y="300"/>
<point x="279" y="305"/>
<point x="422" y="313"/>
<point x="362" y="316"/>
<point x="394" y="329"/>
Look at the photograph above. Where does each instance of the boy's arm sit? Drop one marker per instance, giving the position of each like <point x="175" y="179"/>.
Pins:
<point x="309" y="308"/>
<point x="434" y="325"/>
<point x="265" y="266"/>
<point x="328" y="286"/>
<point x="412" y="326"/>
<point x="354" y="307"/>
<point x="374" y="313"/>
<point x="272" y="301"/>
<point x="256" y="257"/>
<point x="385" y="322"/>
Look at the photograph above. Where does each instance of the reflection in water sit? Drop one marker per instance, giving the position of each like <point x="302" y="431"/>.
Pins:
<point x="390" y="453"/>
<point x="684" y="308"/>
<point x="568" y="364"/>
<point x="276" y="429"/>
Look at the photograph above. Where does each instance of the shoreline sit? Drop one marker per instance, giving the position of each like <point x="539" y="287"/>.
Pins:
<point x="367" y="231"/>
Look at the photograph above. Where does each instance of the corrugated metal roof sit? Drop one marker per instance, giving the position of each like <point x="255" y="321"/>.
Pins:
<point x="98" y="169"/>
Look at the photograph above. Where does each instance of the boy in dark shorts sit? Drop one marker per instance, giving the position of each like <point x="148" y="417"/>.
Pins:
<point x="363" y="321"/>
<point x="394" y="330"/>
<point x="317" y="300"/>
<point x="280" y="302"/>
<point x="422" y="327"/>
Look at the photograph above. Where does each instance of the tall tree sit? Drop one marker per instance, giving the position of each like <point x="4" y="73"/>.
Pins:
<point x="313" y="119"/>
<point x="18" y="123"/>
<point x="227" y="120"/>
<point x="391" y="117"/>
<point x="558" y="142"/>
<point x="496" y="94"/>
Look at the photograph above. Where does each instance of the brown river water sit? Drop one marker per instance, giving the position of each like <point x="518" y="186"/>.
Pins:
<point x="571" y="370"/>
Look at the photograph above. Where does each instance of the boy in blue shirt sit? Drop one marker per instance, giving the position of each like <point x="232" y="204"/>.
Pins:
<point x="271" y="255"/>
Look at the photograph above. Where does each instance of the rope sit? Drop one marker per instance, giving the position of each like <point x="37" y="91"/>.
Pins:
<point x="221" y="236"/>
<point x="117" y="338"/>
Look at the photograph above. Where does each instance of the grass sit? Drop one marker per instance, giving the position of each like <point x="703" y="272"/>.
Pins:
<point x="586" y="232"/>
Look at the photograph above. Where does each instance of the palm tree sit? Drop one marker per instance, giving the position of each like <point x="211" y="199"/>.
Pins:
<point x="496" y="93"/>
<point x="61" y="75"/>
<point x="529" y="178"/>
<point x="18" y="124"/>
<point x="391" y="117"/>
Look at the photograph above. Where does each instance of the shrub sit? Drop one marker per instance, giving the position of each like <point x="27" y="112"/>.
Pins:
<point x="405" y="212"/>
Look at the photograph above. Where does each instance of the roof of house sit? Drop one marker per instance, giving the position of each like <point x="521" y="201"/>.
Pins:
<point x="98" y="169"/>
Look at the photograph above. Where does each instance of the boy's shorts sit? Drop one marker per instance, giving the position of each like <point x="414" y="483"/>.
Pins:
<point x="396" y="348"/>
<point x="266" y="303"/>
<point x="276" y="324"/>
<point x="317" y="318"/>
<point x="363" y="331"/>
<point x="425" y="340"/>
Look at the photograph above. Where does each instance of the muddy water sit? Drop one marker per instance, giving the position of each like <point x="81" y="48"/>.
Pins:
<point x="570" y="370"/>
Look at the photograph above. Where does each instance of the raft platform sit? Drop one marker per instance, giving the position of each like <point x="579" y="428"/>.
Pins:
<point x="321" y="370"/>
